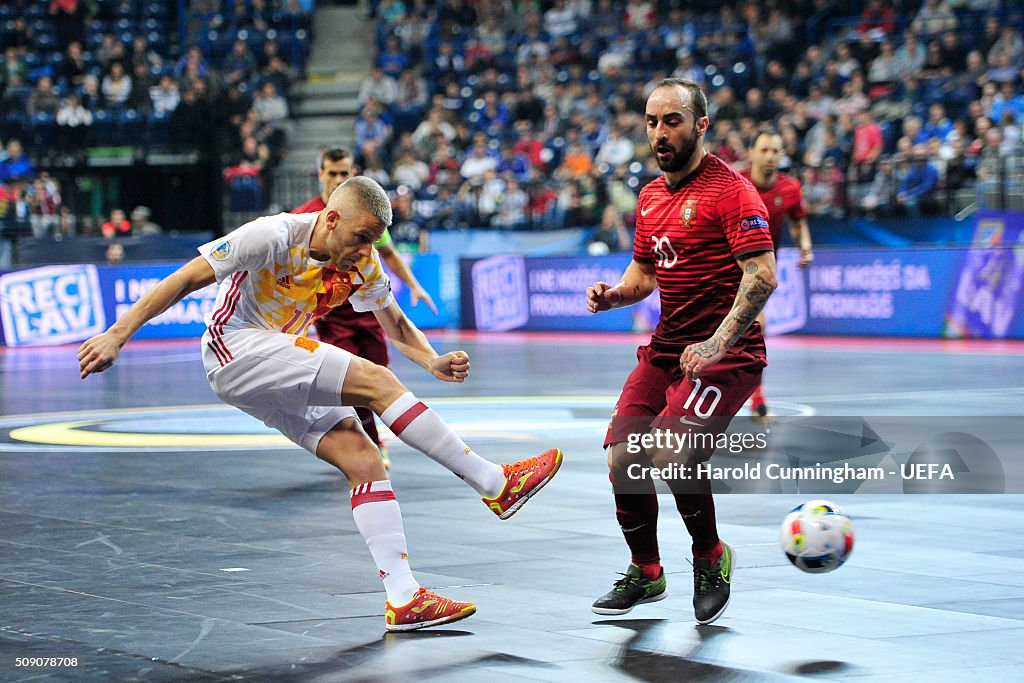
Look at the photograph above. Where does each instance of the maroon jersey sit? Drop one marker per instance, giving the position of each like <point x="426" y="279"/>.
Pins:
<point x="693" y="233"/>
<point x="783" y="200"/>
<point x="332" y="325"/>
<point x="313" y="205"/>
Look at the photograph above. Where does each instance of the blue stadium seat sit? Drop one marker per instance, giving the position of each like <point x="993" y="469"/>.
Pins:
<point x="104" y="125"/>
<point x="158" y="129"/>
<point x="44" y="130"/>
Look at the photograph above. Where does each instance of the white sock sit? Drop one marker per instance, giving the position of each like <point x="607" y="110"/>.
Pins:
<point x="420" y="427"/>
<point x="379" y="520"/>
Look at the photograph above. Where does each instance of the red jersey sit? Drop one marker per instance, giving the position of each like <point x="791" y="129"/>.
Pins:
<point x="693" y="233"/>
<point x="783" y="200"/>
<point x="343" y="315"/>
<point x="313" y="205"/>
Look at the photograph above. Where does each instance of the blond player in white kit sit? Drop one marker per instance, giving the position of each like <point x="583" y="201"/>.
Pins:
<point x="277" y="275"/>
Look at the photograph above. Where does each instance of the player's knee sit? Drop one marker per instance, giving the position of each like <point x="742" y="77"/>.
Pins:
<point x="365" y="465"/>
<point x="621" y="456"/>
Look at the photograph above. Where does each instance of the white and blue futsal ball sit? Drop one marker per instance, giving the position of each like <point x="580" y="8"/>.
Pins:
<point x="817" y="536"/>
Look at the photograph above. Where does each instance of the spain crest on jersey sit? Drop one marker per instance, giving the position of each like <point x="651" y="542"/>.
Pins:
<point x="689" y="212"/>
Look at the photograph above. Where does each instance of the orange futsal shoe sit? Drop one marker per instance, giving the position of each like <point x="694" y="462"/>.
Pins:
<point x="425" y="609"/>
<point x="522" y="480"/>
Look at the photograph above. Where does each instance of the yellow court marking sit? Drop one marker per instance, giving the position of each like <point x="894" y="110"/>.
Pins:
<point x="72" y="434"/>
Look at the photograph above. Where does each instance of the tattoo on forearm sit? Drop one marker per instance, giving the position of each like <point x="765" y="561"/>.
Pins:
<point x="750" y="299"/>
<point x="709" y="348"/>
<point x="750" y="268"/>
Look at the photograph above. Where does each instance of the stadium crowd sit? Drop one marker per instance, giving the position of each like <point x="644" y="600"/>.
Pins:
<point x="530" y="113"/>
<point x="81" y="74"/>
<point x="515" y="114"/>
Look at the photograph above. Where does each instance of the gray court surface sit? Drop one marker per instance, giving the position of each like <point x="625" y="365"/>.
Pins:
<point x="141" y="551"/>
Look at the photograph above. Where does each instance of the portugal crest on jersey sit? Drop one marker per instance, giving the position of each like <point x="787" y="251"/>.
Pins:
<point x="689" y="212"/>
<point x="778" y="200"/>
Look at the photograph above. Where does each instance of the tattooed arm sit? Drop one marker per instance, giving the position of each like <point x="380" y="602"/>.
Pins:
<point x="636" y="284"/>
<point x="756" y="286"/>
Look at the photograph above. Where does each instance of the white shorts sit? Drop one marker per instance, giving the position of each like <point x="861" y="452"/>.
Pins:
<point x="290" y="383"/>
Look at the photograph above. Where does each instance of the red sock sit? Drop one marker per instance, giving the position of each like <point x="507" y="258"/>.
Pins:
<point x="757" y="398"/>
<point x="651" y="571"/>
<point x="715" y="554"/>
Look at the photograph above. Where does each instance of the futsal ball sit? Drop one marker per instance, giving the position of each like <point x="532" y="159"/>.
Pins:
<point x="817" y="536"/>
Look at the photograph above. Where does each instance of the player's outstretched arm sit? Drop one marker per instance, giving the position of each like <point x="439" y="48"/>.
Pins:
<point x="413" y="344"/>
<point x="99" y="353"/>
<point x="756" y="285"/>
<point x="400" y="268"/>
<point x="636" y="284"/>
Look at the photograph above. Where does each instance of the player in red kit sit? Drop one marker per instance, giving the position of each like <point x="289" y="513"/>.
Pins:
<point x="344" y="327"/>
<point x="784" y="200"/>
<point x="702" y="239"/>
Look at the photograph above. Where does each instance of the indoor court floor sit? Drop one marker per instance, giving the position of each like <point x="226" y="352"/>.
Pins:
<point x="149" y="533"/>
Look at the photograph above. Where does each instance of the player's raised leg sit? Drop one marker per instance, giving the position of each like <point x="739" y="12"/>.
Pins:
<point x="504" y="488"/>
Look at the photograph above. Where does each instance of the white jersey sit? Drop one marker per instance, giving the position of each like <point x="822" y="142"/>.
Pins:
<point x="268" y="280"/>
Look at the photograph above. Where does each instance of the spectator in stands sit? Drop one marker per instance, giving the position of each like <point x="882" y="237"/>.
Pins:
<point x="407" y="227"/>
<point x="16" y="166"/>
<point x="393" y="60"/>
<point x="14" y="67"/>
<point x="616" y="150"/>
<point x="494" y="116"/>
<point x="868" y="145"/>
<point x="142" y="82"/>
<point x="114" y="253"/>
<point x="193" y="58"/>
<point x="73" y="124"/>
<point x="877" y="17"/>
<point x="44" y="202"/>
<point x="512" y="210"/>
<point x="141" y="223"/>
<point x="933" y="18"/>
<point x="240" y="64"/>
<point x="917" y="188"/>
<point x="513" y="164"/>
<point x="611" y="236"/>
<point x="1009" y="42"/>
<point x="954" y="56"/>
<point x="117" y="86"/>
<point x="410" y="171"/>
<point x="911" y="55"/>
<point x="478" y="160"/>
<point x="92" y="98"/>
<point x="378" y="86"/>
<point x="879" y="198"/>
<point x="412" y="94"/>
<point x="190" y="119"/>
<point x="425" y="137"/>
<point x="444" y="168"/>
<point x="109" y="51"/>
<point x="43" y="99"/>
<point x="884" y="70"/>
<point x="73" y="67"/>
<point x="370" y="128"/>
<point x="117" y="226"/>
<point x="142" y="53"/>
<point x="271" y="106"/>
<point x="165" y="97"/>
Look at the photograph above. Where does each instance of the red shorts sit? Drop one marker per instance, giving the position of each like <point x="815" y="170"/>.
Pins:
<point x="357" y="333"/>
<point x="657" y="394"/>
